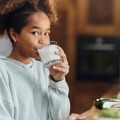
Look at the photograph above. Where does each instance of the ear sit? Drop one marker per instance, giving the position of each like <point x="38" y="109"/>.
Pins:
<point x="13" y="35"/>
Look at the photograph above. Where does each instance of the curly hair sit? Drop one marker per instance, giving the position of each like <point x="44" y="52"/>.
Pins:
<point x="8" y="9"/>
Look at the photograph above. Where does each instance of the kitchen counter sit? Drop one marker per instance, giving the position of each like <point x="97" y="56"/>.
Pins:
<point x="114" y="92"/>
<point x="90" y="113"/>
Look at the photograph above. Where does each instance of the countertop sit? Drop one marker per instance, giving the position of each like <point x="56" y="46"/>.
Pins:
<point x="114" y="92"/>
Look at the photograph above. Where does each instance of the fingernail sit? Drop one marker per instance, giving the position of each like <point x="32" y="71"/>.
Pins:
<point x="54" y="67"/>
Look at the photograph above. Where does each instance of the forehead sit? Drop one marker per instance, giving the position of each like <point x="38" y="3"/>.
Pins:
<point x="39" y="19"/>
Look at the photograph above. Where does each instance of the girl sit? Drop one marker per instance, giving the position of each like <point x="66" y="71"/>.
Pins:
<point x="28" y="91"/>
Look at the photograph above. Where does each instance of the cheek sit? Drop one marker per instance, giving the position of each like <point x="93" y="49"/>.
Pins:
<point x="46" y="42"/>
<point x="32" y="43"/>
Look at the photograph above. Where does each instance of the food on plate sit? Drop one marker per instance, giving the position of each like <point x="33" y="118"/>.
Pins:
<point x="111" y="113"/>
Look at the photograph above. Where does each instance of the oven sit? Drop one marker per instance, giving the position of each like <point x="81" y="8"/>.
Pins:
<point x="97" y="58"/>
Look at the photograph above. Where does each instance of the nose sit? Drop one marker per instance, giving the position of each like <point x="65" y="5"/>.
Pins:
<point x="43" y="42"/>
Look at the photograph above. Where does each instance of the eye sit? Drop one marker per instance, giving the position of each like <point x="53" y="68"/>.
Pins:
<point x="47" y="33"/>
<point x="35" y="33"/>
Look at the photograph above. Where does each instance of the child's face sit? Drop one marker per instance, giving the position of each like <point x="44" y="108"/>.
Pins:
<point x="35" y="34"/>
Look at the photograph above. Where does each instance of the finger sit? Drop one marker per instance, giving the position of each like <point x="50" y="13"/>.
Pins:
<point x="61" y="54"/>
<point x="60" y="50"/>
<point x="76" y="117"/>
<point x="63" y="65"/>
<point x="61" y="69"/>
<point x="82" y="118"/>
<point x="116" y="106"/>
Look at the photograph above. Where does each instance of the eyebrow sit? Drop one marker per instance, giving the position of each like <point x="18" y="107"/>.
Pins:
<point x="35" y="27"/>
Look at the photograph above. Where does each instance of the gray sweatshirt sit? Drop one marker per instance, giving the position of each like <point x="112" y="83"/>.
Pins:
<point x="27" y="92"/>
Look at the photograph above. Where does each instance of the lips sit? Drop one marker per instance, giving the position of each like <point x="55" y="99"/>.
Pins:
<point x="37" y="54"/>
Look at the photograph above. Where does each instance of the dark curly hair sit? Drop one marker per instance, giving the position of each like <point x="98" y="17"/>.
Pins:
<point x="15" y="13"/>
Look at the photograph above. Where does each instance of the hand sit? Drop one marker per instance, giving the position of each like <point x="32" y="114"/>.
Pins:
<point x="116" y="105"/>
<point x="76" y="117"/>
<point x="60" y="70"/>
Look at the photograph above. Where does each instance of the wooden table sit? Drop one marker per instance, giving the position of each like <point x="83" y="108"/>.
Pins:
<point x="90" y="113"/>
<point x="112" y="93"/>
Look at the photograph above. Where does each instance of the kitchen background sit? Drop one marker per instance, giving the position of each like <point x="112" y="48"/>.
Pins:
<point x="89" y="32"/>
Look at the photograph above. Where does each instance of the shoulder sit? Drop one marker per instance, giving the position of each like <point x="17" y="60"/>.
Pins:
<point x="3" y="66"/>
<point x="2" y="57"/>
<point x="2" y="62"/>
<point x="3" y="69"/>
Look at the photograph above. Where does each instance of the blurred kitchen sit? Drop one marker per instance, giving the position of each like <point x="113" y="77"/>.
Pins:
<point x="89" y="32"/>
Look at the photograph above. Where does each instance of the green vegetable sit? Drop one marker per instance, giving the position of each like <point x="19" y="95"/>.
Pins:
<point x="110" y="112"/>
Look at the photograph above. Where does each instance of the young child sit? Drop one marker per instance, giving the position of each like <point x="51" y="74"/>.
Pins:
<point x="28" y="91"/>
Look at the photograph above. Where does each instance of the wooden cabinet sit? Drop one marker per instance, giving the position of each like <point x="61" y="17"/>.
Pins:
<point x="82" y="17"/>
<point x="64" y="31"/>
<point x="98" y="17"/>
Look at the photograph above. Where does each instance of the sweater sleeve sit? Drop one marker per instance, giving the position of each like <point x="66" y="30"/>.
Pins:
<point x="59" y="105"/>
<point x="6" y="106"/>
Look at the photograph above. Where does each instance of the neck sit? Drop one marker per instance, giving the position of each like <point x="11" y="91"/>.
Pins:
<point x="22" y="59"/>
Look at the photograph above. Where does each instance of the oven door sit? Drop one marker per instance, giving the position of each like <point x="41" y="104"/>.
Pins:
<point x="97" y="61"/>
